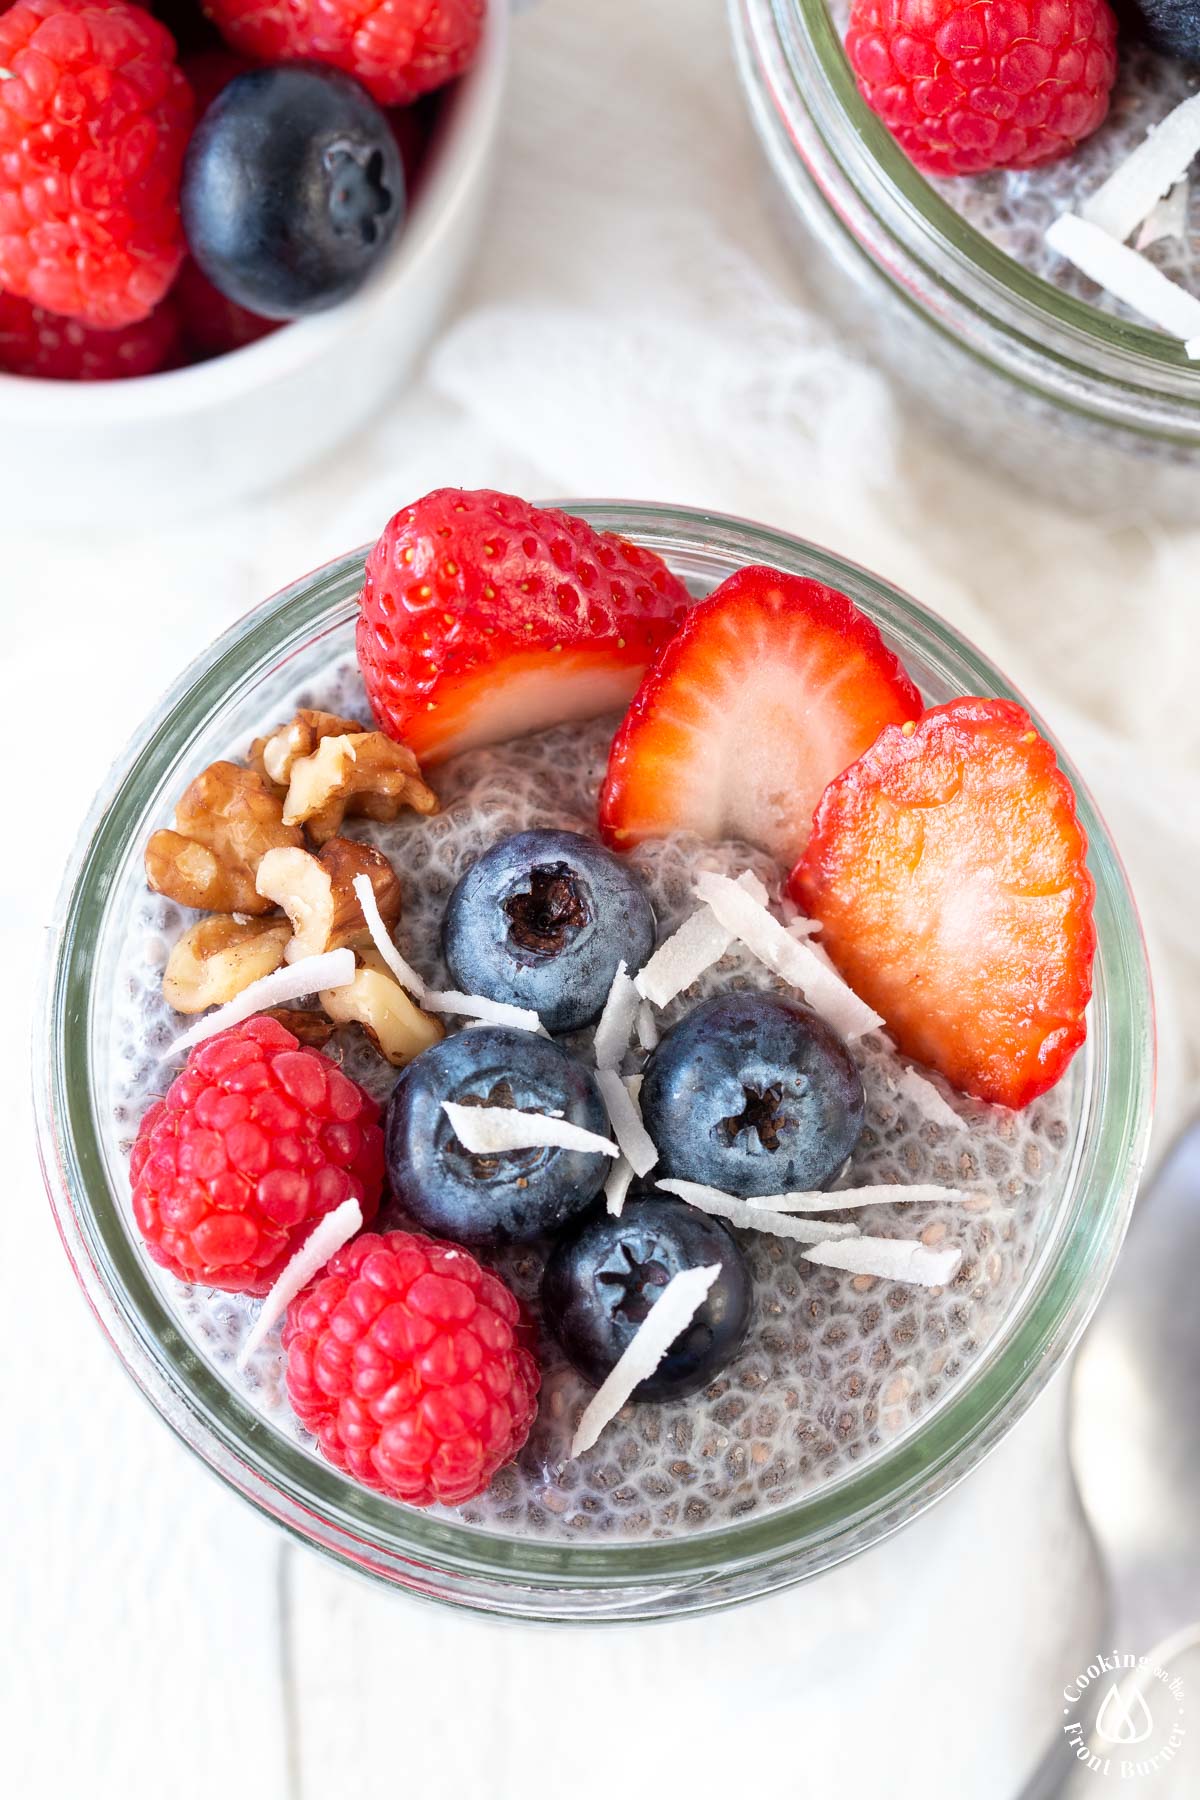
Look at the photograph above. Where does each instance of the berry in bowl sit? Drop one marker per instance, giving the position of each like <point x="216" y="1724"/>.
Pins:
<point x="245" y="231"/>
<point x="1004" y="193"/>
<point x="593" y="1061"/>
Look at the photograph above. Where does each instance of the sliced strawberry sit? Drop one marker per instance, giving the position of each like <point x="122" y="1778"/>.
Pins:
<point x="771" y="687"/>
<point x="484" y="617"/>
<point x="949" y="871"/>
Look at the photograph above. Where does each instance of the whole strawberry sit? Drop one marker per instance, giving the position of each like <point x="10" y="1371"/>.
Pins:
<point x="94" y="121"/>
<point x="398" y="49"/>
<point x="254" y="1142"/>
<point x="970" y="85"/>
<point x="403" y="1359"/>
<point x="41" y="344"/>
<point x="483" y="616"/>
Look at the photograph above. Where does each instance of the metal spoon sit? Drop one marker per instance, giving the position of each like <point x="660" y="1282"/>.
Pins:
<point x="1135" y="1447"/>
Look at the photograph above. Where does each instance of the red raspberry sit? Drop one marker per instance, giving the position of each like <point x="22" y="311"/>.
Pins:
<point x="94" y="121"/>
<point x="39" y="343"/>
<point x="208" y="72"/>
<point x="255" y="1142"/>
<point x="998" y="84"/>
<point x="402" y="1359"/>
<point x="212" y="322"/>
<point x="396" y="48"/>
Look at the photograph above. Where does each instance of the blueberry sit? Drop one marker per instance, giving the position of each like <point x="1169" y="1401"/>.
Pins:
<point x="1172" y="26"/>
<point x="507" y="1198"/>
<point x="753" y="1093"/>
<point x="603" y="1278"/>
<point x="293" y="189"/>
<point x="542" y="920"/>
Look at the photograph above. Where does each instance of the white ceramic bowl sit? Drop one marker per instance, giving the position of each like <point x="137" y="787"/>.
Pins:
<point x="191" y="439"/>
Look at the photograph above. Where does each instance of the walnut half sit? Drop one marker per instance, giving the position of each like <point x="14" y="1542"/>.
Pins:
<point x="226" y="821"/>
<point x="398" y="1029"/>
<point x="360" y="773"/>
<point x="317" y="894"/>
<point x="274" y="755"/>
<point x="219" y="957"/>
<point x="312" y="1029"/>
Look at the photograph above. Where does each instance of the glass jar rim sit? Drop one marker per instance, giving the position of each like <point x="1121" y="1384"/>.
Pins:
<point x="792" y="48"/>
<point x="449" y="1559"/>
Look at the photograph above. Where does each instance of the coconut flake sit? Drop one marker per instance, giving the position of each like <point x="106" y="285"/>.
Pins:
<point x="699" y="942"/>
<point x="491" y="1130"/>
<point x="1162" y="159"/>
<point x="926" y="1098"/>
<point x="755" y="1218"/>
<point x="617" y="1186"/>
<point x="647" y="1027"/>
<point x="795" y="962"/>
<point x="1126" y="275"/>
<point x="845" y="1199"/>
<point x="611" y="1039"/>
<point x="683" y="957"/>
<point x="625" y="1116"/>
<point x="753" y="886"/>
<point x="311" y="975"/>
<point x="404" y="972"/>
<point x="1168" y="219"/>
<point x="670" y="1315"/>
<point x="324" y="1241"/>
<point x="477" y="1006"/>
<point x="891" y="1259"/>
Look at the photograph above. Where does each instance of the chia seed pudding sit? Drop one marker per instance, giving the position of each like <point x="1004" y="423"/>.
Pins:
<point x="836" y="1367"/>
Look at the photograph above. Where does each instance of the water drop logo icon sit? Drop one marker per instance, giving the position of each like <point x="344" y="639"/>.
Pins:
<point x="1124" y="1720"/>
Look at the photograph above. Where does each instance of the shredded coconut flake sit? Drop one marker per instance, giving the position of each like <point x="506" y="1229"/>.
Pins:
<point x="311" y="975"/>
<point x="617" y="1186"/>
<point x="476" y="1006"/>
<point x="1168" y="219"/>
<point x="670" y="1315"/>
<point x="615" y="1024"/>
<point x="625" y="1116"/>
<point x="699" y="943"/>
<point x="324" y="1241"/>
<point x="795" y="962"/>
<point x="753" y="886"/>
<point x="490" y="1130"/>
<point x="404" y="972"/>
<point x="892" y="1259"/>
<point x="1126" y="275"/>
<point x="1162" y="159"/>
<point x="647" y="1027"/>
<point x="755" y="1218"/>
<point x="845" y="1199"/>
<point x="926" y="1097"/>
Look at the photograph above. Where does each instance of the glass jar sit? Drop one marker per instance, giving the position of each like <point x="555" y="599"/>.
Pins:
<point x="223" y="699"/>
<point x="1101" y="411"/>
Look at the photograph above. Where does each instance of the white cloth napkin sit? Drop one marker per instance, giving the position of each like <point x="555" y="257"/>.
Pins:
<point x="636" y="325"/>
